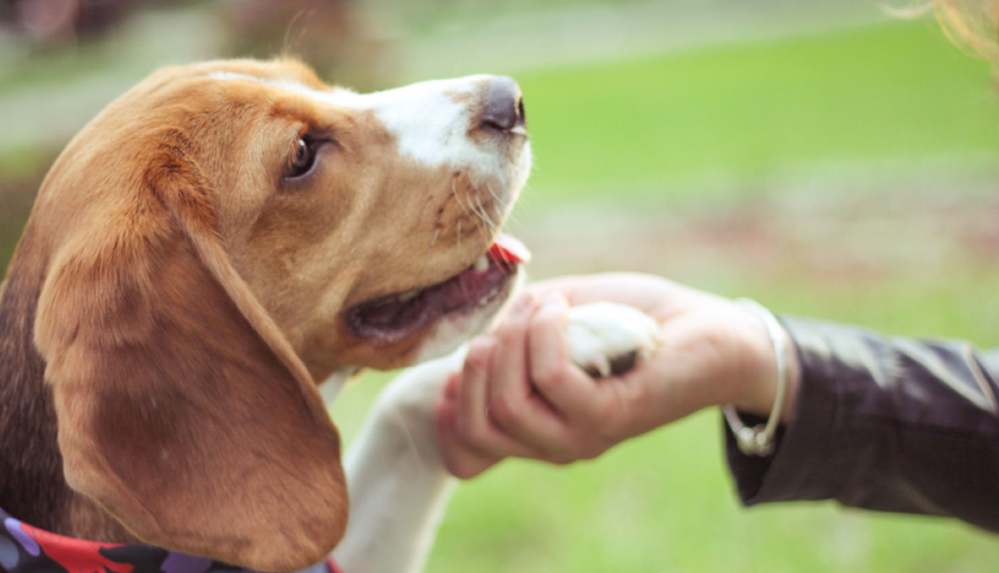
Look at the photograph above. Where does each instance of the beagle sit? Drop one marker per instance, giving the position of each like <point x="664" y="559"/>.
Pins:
<point x="214" y="243"/>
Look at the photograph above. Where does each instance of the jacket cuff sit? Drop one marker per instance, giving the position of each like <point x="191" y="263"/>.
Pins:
<point x="990" y="363"/>
<point x="812" y="454"/>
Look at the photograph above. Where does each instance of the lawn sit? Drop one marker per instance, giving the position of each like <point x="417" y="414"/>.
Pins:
<point x="747" y="113"/>
<point x="706" y="130"/>
<point x="661" y="132"/>
<point x="664" y="502"/>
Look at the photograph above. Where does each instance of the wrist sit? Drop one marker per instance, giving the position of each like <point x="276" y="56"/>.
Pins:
<point x="759" y="384"/>
<point x="760" y="439"/>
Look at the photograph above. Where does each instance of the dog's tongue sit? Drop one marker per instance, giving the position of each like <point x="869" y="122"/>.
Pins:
<point x="510" y="250"/>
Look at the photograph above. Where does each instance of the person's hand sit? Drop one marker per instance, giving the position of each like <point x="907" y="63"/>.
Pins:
<point x="518" y="393"/>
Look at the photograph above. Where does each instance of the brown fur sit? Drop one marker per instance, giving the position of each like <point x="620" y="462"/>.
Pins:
<point x="172" y="304"/>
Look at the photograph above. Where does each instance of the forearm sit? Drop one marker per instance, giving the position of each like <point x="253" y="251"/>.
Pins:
<point x="886" y="424"/>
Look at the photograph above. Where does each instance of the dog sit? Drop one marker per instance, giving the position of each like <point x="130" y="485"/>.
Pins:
<point x="213" y="244"/>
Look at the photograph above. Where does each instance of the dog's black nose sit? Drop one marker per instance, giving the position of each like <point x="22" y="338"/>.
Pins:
<point x="504" y="105"/>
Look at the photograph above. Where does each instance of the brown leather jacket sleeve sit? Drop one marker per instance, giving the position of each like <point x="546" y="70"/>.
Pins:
<point x="887" y="424"/>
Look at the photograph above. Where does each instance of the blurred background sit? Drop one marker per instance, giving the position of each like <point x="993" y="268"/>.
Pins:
<point x="826" y="158"/>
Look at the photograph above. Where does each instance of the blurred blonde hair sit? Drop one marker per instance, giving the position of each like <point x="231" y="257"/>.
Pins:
<point x="971" y="24"/>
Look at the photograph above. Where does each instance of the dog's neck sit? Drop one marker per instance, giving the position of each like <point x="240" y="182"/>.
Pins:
<point x="32" y="486"/>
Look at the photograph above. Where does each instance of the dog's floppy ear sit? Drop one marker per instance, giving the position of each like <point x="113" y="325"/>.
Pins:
<point x="182" y="410"/>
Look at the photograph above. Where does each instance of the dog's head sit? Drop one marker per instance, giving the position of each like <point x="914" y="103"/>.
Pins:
<point x="223" y="236"/>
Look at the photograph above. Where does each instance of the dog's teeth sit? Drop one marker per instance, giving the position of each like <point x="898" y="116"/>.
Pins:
<point x="482" y="264"/>
<point x="408" y="296"/>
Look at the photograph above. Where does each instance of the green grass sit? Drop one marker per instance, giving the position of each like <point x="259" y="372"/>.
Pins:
<point x="651" y="131"/>
<point x="658" y="126"/>
<point x="664" y="502"/>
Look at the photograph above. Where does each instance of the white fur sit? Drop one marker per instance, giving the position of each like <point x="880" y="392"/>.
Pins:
<point x="331" y="388"/>
<point x="398" y="485"/>
<point x="397" y="481"/>
<point x="427" y="119"/>
<point x="430" y="123"/>
<point x="602" y="331"/>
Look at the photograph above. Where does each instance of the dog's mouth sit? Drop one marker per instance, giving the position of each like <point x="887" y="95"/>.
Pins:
<point x="393" y="317"/>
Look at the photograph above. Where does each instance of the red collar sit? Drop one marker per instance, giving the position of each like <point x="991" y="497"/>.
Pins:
<point x="27" y="549"/>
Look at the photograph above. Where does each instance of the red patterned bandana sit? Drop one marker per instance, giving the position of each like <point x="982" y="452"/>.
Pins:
<point x="27" y="549"/>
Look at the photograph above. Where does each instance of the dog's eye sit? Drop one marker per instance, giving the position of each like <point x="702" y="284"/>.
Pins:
<point x="303" y="158"/>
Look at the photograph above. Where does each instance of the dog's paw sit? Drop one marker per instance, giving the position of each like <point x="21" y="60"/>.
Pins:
<point x="609" y="339"/>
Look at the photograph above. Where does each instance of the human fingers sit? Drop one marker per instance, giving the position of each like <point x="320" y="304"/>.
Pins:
<point x="473" y="423"/>
<point x="460" y="459"/>
<point x="649" y="293"/>
<point x="563" y="384"/>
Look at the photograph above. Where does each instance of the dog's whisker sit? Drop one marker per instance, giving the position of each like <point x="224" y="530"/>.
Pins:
<point x="468" y="208"/>
<point x="465" y="208"/>
<point x="491" y="225"/>
<point x="463" y="201"/>
<point x="496" y="203"/>
<point x="480" y="212"/>
<point x="510" y="216"/>
<point x="457" y="197"/>
<point x="494" y="224"/>
<point x="499" y="214"/>
<point x="496" y="198"/>
<point x="384" y="303"/>
<point x="473" y="208"/>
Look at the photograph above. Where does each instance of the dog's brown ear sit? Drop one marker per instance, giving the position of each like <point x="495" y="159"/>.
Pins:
<point x="182" y="409"/>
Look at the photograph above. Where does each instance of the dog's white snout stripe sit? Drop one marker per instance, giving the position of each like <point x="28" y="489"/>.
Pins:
<point x="431" y="124"/>
<point x="429" y="120"/>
